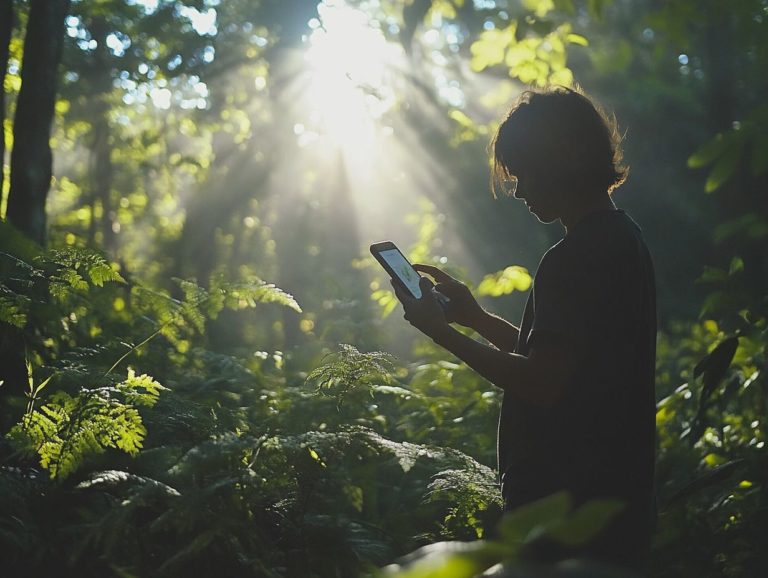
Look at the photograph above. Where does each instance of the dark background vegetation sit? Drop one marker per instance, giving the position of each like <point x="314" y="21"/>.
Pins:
<point x="192" y="332"/>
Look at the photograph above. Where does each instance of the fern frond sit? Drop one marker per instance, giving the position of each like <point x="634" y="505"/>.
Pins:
<point x="90" y="262"/>
<point x="194" y="298"/>
<point x="348" y="369"/>
<point x="13" y="307"/>
<point x="141" y="389"/>
<point x="478" y="481"/>
<point x="67" y="429"/>
<point x="248" y="294"/>
<point x="117" y="478"/>
<point x="73" y="265"/>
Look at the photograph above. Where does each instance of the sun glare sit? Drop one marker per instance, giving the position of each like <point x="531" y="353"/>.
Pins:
<point x="350" y="64"/>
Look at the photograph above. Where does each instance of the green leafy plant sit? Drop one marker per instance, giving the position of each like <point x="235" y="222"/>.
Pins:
<point x="67" y="429"/>
<point x="349" y="369"/>
<point x="551" y="518"/>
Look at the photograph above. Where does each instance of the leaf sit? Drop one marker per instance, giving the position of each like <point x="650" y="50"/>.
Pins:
<point x="141" y="390"/>
<point x="712" y="275"/>
<point x="750" y="226"/>
<point x="443" y="559"/>
<point x="737" y="265"/>
<point x="531" y="520"/>
<point x="708" y="152"/>
<point x="249" y="293"/>
<point x="577" y="39"/>
<point x="562" y="77"/>
<point x="101" y="272"/>
<point x="506" y="281"/>
<point x="712" y="369"/>
<point x="708" y="479"/>
<point x="586" y="522"/>
<point x="539" y="7"/>
<point x="724" y="168"/>
<point x="715" y="364"/>
<point x="396" y="390"/>
<point x="490" y="47"/>
<point x="41" y="386"/>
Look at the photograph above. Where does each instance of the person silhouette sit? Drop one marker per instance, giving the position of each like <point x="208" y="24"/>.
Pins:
<point x="577" y="374"/>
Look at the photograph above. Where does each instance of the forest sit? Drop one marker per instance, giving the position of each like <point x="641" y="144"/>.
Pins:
<point x="204" y="372"/>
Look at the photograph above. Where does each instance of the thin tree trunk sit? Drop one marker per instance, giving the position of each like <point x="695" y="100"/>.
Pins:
<point x="6" y="28"/>
<point x="31" y="158"/>
<point x="102" y="172"/>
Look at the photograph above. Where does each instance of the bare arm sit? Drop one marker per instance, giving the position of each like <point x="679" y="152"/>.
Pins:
<point x="465" y="310"/>
<point x="540" y="378"/>
<point x="498" y="331"/>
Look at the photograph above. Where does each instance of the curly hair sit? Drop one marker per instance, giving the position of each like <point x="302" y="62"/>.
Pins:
<point x="561" y="138"/>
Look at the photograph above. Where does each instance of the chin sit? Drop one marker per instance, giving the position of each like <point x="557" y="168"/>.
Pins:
<point x="544" y="218"/>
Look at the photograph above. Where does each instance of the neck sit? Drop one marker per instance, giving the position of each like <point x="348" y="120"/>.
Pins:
<point x="574" y="214"/>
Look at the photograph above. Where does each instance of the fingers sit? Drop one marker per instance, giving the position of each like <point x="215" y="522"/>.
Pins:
<point x="435" y="272"/>
<point x="405" y="300"/>
<point x="449" y="289"/>
<point x="399" y="293"/>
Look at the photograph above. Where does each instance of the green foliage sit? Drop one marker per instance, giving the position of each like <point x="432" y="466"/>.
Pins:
<point x="177" y="317"/>
<point x="550" y="518"/>
<point x="539" y="58"/>
<point x="13" y="307"/>
<point x="140" y="389"/>
<point x="74" y="268"/>
<point x="240" y="468"/>
<point x="348" y="369"/>
<point x="68" y="429"/>
<point x="470" y="492"/>
<point x="711" y="433"/>
<point x="504" y="282"/>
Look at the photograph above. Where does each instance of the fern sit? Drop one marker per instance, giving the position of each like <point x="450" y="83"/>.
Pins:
<point x="141" y="390"/>
<point x="75" y="266"/>
<point x="14" y="304"/>
<point x="364" y="441"/>
<point x="248" y="294"/>
<point x="67" y="429"/>
<point x="469" y="491"/>
<point x="174" y="316"/>
<point x="13" y="307"/>
<point x="348" y="369"/>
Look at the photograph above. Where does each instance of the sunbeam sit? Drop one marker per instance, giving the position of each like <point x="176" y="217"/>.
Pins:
<point x="351" y="64"/>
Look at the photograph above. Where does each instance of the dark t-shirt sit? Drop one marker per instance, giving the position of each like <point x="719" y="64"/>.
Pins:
<point x="595" y="291"/>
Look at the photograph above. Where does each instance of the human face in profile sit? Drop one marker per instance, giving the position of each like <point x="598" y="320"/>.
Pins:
<point x="540" y="199"/>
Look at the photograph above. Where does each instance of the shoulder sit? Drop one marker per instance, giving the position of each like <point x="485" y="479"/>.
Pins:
<point x="603" y="247"/>
<point x="607" y="238"/>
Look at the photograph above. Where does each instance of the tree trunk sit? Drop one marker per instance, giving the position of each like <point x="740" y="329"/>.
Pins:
<point x="102" y="171"/>
<point x="31" y="158"/>
<point x="6" y="27"/>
